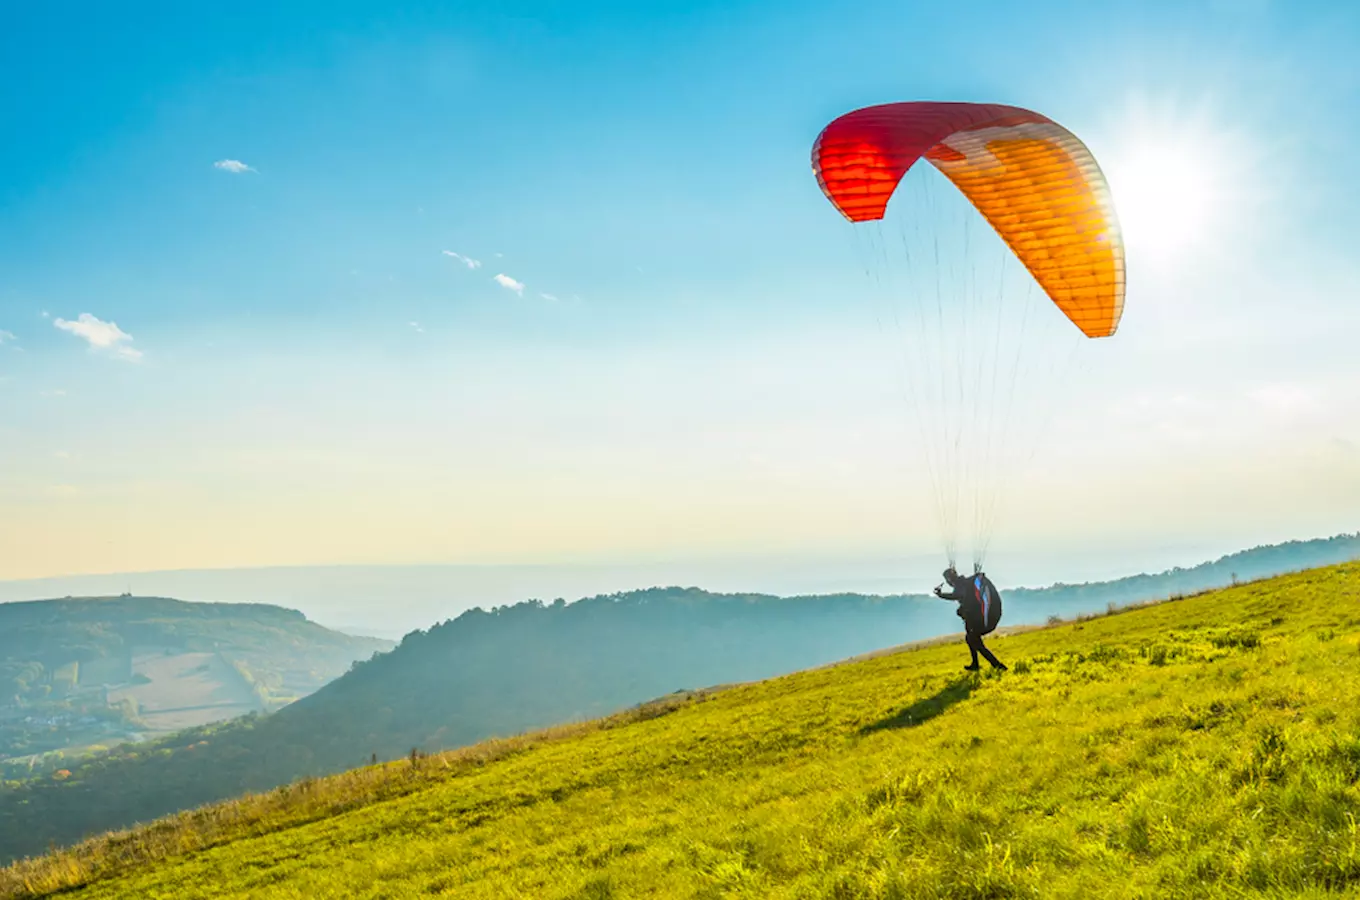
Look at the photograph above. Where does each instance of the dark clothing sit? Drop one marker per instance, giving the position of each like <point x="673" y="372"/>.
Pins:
<point x="980" y="608"/>
<point x="958" y="593"/>
<point x="975" y="646"/>
<point x="968" y="609"/>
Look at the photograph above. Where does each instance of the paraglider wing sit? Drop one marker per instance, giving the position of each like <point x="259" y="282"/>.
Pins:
<point x="1030" y="178"/>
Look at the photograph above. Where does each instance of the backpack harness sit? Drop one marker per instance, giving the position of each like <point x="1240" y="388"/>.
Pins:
<point x="984" y="598"/>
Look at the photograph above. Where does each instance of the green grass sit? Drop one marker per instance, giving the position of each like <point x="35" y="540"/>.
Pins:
<point x="1206" y="747"/>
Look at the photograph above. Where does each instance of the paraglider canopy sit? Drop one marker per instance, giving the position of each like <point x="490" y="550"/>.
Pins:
<point x="1030" y="178"/>
<point x="980" y="375"/>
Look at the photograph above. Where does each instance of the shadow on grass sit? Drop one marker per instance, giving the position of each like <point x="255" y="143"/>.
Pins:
<point x="927" y="708"/>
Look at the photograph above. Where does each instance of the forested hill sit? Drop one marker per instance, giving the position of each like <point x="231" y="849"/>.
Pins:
<point x="91" y="672"/>
<point x="499" y="672"/>
<point x="532" y="664"/>
<point x="84" y="628"/>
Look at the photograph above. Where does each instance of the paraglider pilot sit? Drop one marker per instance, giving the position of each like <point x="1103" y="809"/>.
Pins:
<point x="979" y="607"/>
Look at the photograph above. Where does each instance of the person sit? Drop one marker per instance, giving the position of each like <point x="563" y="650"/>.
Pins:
<point x="979" y="607"/>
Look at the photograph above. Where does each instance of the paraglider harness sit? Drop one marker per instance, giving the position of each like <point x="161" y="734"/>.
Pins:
<point x="988" y="600"/>
<point x="979" y="603"/>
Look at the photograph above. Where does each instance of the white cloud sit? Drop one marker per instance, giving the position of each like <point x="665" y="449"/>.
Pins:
<point x="100" y="335"/>
<point x="550" y="297"/>
<point x="55" y="392"/>
<point x="465" y="260"/>
<point x="510" y="284"/>
<point x="62" y="454"/>
<point x="234" y="166"/>
<point x="6" y="336"/>
<point x="417" y="327"/>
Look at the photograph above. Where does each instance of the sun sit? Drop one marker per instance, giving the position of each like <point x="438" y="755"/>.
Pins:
<point x="1185" y="180"/>
<point x="1166" y="197"/>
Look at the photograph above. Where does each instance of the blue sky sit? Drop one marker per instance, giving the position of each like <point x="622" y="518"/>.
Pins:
<point x="300" y="373"/>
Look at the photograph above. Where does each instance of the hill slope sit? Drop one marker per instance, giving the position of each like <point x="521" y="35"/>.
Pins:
<point x="1209" y="746"/>
<point x="99" y="670"/>
<point x="531" y="665"/>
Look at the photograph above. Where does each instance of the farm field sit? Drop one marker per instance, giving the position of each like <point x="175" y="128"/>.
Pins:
<point x="183" y="690"/>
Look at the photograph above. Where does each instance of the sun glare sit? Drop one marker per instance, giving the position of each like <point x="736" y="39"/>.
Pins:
<point x="1185" y="180"/>
<point x="1165" y="198"/>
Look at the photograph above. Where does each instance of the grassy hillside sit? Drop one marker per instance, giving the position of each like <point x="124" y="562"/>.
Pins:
<point x="497" y="672"/>
<point x="77" y="672"/>
<point x="1204" y="747"/>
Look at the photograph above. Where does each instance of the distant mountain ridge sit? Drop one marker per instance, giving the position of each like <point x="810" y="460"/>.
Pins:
<point x="341" y="596"/>
<point x="531" y="664"/>
<point x="1244" y="565"/>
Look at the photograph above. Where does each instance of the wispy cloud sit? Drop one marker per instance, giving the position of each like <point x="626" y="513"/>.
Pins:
<point x="62" y="454"/>
<point x="55" y="392"/>
<point x="101" y="335"/>
<point x="6" y="337"/>
<point x="465" y="260"/>
<point x="510" y="284"/>
<point x="505" y="281"/>
<point x="417" y="326"/>
<point x="234" y="166"/>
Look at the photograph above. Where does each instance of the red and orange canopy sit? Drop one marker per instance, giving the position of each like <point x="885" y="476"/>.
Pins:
<point x="1032" y="179"/>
